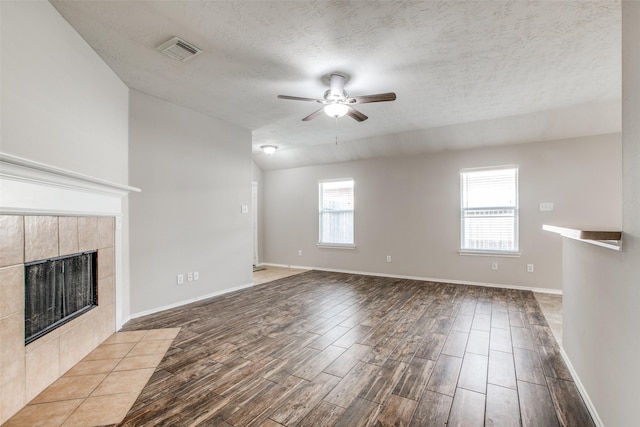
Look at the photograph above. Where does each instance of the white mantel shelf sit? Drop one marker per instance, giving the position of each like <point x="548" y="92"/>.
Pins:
<point x="30" y="187"/>
<point x="18" y="168"/>
<point x="599" y="236"/>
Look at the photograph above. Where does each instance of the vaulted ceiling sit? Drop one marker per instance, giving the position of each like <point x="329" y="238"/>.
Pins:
<point x="466" y="73"/>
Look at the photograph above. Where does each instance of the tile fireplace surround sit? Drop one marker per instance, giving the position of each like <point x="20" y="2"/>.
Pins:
<point x="47" y="211"/>
<point x="27" y="370"/>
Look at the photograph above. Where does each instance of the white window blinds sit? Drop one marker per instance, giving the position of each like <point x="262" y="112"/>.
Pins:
<point x="489" y="210"/>
<point x="336" y="208"/>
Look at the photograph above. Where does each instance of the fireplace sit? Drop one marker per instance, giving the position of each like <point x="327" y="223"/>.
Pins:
<point x="58" y="290"/>
<point x="49" y="213"/>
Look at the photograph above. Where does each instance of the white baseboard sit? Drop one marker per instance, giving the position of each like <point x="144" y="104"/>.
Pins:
<point x="189" y="301"/>
<point x="583" y="391"/>
<point x="426" y="279"/>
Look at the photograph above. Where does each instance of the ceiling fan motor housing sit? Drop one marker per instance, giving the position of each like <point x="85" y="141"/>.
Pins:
<point x="336" y="87"/>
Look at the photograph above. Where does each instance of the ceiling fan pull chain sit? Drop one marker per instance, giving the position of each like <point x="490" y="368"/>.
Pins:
<point x="336" y="130"/>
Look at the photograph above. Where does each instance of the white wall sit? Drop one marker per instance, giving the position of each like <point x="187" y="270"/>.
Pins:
<point x="409" y="208"/>
<point x="195" y="173"/>
<point x="602" y="287"/>
<point x="61" y="104"/>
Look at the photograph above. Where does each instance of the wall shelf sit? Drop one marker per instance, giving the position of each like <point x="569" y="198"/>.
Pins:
<point x="600" y="236"/>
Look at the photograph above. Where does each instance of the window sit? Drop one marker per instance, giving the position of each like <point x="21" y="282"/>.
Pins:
<point x="489" y="210"/>
<point x="336" y="212"/>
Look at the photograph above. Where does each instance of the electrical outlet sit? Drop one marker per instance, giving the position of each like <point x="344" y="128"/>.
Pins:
<point x="196" y="275"/>
<point x="299" y="252"/>
<point x="530" y="268"/>
<point x="494" y="265"/>
<point x="180" y="279"/>
<point x="388" y="258"/>
<point x="244" y="209"/>
<point x="546" y="207"/>
<point x="189" y="277"/>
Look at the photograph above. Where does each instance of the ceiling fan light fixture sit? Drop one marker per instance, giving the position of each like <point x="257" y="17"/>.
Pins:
<point x="336" y="110"/>
<point x="269" y="149"/>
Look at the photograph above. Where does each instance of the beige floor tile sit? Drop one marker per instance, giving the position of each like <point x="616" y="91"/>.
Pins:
<point x="43" y="415"/>
<point x="92" y="367"/>
<point x="67" y="388"/>
<point x="102" y="410"/>
<point x="269" y="273"/>
<point x="161" y="334"/>
<point x="110" y="351"/>
<point x="139" y="362"/>
<point x="125" y="337"/>
<point x="124" y="382"/>
<point x="150" y="347"/>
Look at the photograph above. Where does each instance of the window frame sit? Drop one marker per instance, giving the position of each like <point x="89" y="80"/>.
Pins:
<point x="335" y="245"/>
<point x="515" y="208"/>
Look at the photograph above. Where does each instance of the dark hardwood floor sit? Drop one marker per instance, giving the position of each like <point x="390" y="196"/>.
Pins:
<point x="330" y="349"/>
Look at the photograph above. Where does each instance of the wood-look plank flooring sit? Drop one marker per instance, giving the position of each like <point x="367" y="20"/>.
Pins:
<point x="332" y="349"/>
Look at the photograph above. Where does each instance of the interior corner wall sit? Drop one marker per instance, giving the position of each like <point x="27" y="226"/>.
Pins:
<point x="409" y="208"/>
<point x="602" y="287"/>
<point x="195" y="174"/>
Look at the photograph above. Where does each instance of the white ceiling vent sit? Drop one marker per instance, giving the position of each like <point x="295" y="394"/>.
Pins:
<point x="179" y="49"/>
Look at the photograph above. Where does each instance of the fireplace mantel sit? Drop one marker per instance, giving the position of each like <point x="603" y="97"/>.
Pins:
<point x="30" y="187"/>
<point x="37" y="196"/>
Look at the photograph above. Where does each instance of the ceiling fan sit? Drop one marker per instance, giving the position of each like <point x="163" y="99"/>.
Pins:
<point x="338" y="103"/>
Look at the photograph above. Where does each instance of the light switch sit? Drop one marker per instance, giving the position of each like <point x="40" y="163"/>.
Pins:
<point x="546" y="207"/>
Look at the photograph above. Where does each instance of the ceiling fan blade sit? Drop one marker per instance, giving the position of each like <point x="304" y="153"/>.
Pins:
<point x="380" y="97"/>
<point x="313" y="115"/>
<point x="298" y="98"/>
<point x="357" y="115"/>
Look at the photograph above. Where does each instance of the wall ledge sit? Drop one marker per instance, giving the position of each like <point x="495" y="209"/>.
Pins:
<point x="20" y="169"/>
<point x="600" y="236"/>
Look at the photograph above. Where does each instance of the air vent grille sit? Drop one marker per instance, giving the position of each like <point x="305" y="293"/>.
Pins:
<point x="179" y="49"/>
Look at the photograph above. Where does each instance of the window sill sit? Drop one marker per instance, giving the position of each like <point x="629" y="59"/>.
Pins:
<point x="489" y="253"/>
<point x="335" y="246"/>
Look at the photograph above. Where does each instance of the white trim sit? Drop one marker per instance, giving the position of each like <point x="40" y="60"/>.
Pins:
<point x="189" y="301"/>
<point x="424" y="279"/>
<point x="471" y="252"/>
<point x="582" y="390"/>
<point x="21" y="169"/>
<point x="321" y="212"/>
<point x="488" y="168"/>
<point x="347" y="178"/>
<point x="254" y="221"/>
<point x="336" y="246"/>
<point x="515" y="207"/>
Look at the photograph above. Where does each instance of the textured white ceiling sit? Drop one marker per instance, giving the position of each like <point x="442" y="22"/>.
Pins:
<point x="466" y="73"/>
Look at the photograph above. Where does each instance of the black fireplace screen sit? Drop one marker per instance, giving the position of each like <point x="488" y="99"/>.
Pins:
<point x="58" y="290"/>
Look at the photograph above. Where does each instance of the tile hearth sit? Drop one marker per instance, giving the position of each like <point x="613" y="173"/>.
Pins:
<point x="101" y="388"/>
